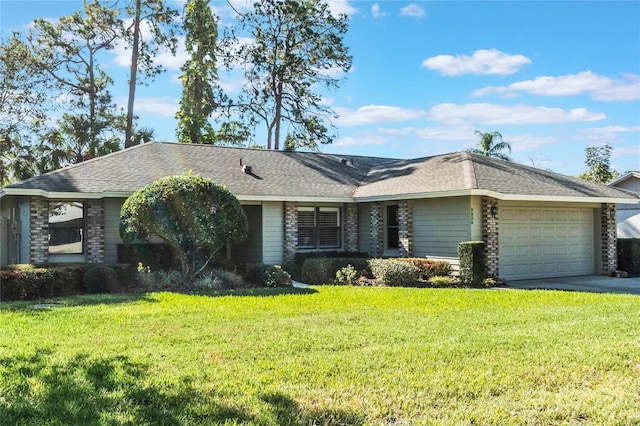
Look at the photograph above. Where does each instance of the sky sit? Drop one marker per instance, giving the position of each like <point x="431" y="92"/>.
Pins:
<point x="552" y="77"/>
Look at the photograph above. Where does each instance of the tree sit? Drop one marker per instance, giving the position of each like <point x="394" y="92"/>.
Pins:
<point x="297" y="48"/>
<point x="599" y="164"/>
<point x="162" y="25"/>
<point x="199" y="75"/>
<point x="68" y="53"/>
<point x="193" y="214"/>
<point x="491" y="145"/>
<point x="24" y="106"/>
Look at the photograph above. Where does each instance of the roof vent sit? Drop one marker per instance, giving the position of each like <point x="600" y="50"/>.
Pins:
<point x="348" y="162"/>
<point x="246" y="169"/>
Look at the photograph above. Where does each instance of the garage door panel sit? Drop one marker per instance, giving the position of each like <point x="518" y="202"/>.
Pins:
<point x="545" y="242"/>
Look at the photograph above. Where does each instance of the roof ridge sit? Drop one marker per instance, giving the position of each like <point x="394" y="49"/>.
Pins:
<point x="469" y="171"/>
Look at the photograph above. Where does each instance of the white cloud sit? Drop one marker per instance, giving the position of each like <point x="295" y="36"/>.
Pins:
<point x="481" y="62"/>
<point x="376" y="12"/>
<point x="609" y="133"/>
<point x="483" y="113"/>
<point x="341" y="7"/>
<point x="162" y="106"/>
<point x="599" y="87"/>
<point x="627" y="151"/>
<point x="612" y="129"/>
<point x="528" y="142"/>
<point x="413" y="10"/>
<point x="375" y="114"/>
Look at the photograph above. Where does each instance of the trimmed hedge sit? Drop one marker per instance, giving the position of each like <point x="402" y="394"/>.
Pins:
<point x="429" y="267"/>
<point x="32" y="282"/>
<point x="302" y="257"/>
<point x="100" y="279"/>
<point x="629" y="256"/>
<point x="393" y="273"/>
<point x="472" y="262"/>
<point x="322" y="270"/>
<point x="263" y="275"/>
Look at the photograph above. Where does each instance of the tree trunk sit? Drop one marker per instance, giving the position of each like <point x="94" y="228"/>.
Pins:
<point x="128" y="135"/>
<point x="278" y="117"/>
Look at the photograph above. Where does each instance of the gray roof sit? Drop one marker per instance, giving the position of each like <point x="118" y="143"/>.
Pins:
<point x="297" y="175"/>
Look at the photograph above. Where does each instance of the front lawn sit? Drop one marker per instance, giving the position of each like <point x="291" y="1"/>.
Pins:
<point x="327" y="355"/>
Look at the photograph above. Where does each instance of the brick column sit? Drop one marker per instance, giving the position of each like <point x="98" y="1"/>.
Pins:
<point x="290" y="231"/>
<point x="490" y="225"/>
<point x="405" y="231"/>
<point x="38" y="230"/>
<point x="94" y="238"/>
<point x="608" y="237"/>
<point x="376" y="230"/>
<point x="351" y="228"/>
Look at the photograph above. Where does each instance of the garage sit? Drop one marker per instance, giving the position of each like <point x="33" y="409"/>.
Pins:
<point x="545" y="242"/>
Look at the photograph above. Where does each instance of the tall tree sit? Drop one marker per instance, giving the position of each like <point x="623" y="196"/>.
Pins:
<point x="598" y="162"/>
<point x="199" y="75"/>
<point x="68" y="52"/>
<point x="297" y="47"/>
<point x="25" y="103"/>
<point x="491" y="145"/>
<point x="163" y="28"/>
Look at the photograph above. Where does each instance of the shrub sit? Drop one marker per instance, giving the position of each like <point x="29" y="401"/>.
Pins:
<point x="300" y="258"/>
<point x="346" y="276"/>
<point x="429" y="267"/>
<point x="472" y="262"/>
<point x="444" y="282"/>
<point x="323" y="270"/>
<point x="629" y="255"/>
<point x="219" y="279"/>
<point x="30" y="282"/>
<point x="100" y="279"/>
<point x="262" y="275"/>
<point x="193" y="214"/>
<point x="156" y="256"/>
<point x="393" y="273"/>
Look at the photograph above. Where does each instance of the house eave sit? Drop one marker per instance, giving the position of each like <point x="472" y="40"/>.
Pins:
<point x="498" y="196"/>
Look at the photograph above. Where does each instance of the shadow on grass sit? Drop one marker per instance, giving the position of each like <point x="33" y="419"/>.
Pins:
<point x="94" y="391"/>
<point x="288" y="412"/>
<point x="77" y="300"/>
<point x="37" y="389"/>
<point x="258" y="292"/>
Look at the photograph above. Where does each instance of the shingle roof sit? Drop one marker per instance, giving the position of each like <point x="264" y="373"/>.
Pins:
<point x="291" y="175"/>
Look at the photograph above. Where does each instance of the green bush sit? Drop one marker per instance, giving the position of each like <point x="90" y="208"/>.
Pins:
<point x="443" y="282"/>
<point x="346" y="276"/>
<point x="195" y="215"/>
<point x="429" y="267"/>
<point x="31" y="282"/>
<point x="262" y="275"/>
<point x="156" y="256"/>
<point x="629" y="256"/>
<point x="100" y="279"/>
<point x="322" y="270"/>
<point x="393" y="273"/>
<point x="301" y="257"/>
<point x="472" y="262"/>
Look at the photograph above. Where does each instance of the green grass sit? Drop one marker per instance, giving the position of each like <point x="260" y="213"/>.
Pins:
<point x="330" y="355"/>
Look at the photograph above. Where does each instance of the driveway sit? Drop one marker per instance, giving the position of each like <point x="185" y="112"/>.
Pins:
<point x="591" y="283"/>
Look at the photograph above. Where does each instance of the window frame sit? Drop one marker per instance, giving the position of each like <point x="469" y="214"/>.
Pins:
<point x="315" y="232"/>
<point x="80" y="204"/>
<point x="392" y="225"/>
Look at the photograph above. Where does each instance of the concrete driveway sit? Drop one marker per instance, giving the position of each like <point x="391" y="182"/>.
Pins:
<point x="591" y="283"/>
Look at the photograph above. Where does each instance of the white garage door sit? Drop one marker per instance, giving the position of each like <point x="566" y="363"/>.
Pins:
<point x="545" y="242"/>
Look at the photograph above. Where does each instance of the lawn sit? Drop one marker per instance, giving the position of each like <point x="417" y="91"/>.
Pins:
<point x="326" y="355"/>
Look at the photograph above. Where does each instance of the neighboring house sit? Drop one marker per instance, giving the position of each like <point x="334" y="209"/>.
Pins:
<point x="535" y="223"/>
<point x="628" y="214"/>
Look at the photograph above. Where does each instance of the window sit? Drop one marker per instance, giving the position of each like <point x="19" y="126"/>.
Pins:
<point x="318" y="227"/>
<point x="66" y="227"/>
<point x="393" y="227"/>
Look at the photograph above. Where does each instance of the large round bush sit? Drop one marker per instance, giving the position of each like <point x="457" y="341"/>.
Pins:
<point x="193" y="214"/>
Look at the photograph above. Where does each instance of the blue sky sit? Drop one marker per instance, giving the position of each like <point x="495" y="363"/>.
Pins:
<point x="552" y="77"/>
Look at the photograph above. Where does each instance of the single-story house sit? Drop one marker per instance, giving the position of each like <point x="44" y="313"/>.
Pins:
<point x="628" y="214"/>
<point x="535" y="223"/>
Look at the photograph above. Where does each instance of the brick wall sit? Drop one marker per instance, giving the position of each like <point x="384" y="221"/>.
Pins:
<point x="609" y="238"/>
<point x="94" y="224"/>
<point x="405" y="231"/>
<point x="39" y="230"/>
<point x="351" y="228"/>
<point x="290" y="231"/>
<point x="376" y="230"/>
<point x="490" y="222"/>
